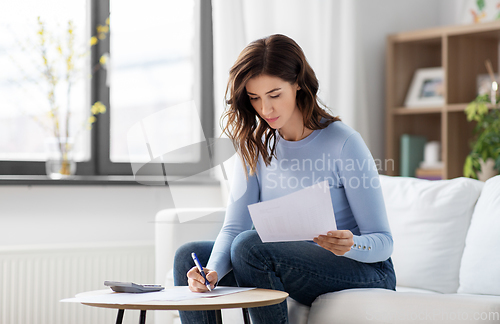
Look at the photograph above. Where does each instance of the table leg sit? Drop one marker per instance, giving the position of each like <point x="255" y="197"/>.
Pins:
<point x="119" y="318"/>
<point x="246" y="317"/>
<point x="142" y="319"/>
<point x="218" y="316"/>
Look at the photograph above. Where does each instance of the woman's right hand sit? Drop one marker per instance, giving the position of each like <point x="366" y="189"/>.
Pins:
<point x="197" y="283"/>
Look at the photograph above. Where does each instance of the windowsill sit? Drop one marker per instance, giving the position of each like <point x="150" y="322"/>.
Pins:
<point x="101" y="180"/>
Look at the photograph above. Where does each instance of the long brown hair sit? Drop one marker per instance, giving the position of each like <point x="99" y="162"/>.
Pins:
<point x="280" y="56"/>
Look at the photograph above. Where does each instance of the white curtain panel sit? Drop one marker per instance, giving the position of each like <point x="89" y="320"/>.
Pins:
<point x="312" y="24"/>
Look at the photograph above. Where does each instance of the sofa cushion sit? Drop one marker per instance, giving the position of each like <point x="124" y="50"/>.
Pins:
<point x="480" y="268"/>
<point x="413" y="290"/>
<point x="297" y="313"/>
<point x="429" y="222"/>
<point x="354" y="306"/>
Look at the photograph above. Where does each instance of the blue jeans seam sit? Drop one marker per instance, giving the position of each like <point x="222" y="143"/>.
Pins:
<point x="253" y="248"/>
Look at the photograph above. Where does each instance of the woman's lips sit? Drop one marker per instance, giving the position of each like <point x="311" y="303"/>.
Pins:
<point x="271" y="120"/>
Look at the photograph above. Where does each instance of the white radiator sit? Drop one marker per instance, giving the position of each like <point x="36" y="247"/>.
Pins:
<point x="34" y="279"/>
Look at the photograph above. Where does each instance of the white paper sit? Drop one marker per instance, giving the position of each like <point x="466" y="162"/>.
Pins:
<point x="107" y="296"/>
<point x="299" y="216"/>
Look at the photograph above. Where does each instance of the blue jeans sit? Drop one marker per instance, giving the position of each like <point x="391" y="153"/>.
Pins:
<point x="303" y="269"/>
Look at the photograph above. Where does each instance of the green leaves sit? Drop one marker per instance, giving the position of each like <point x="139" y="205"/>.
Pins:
<point x="477" y="108"/>
<point x="480" y="4"/>
<point x="469" y="170"/>
<point x="487" y="135"/>
<point x="497" y="163"/>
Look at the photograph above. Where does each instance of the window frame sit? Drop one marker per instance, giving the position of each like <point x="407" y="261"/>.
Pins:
<point x="100" y="163"/>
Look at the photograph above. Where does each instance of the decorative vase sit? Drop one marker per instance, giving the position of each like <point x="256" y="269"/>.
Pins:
<point x="59" y="163"/>
<point x="487" y="169"/>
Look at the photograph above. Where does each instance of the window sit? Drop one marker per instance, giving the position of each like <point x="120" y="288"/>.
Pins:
<point x="24" y="121"/>
<point x="160" y="53"/>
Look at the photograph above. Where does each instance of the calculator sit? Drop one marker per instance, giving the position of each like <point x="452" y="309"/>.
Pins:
<point x="130" y="287"/>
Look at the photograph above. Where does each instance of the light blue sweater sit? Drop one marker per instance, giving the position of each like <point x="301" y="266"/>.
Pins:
<point x="337" y="154"/>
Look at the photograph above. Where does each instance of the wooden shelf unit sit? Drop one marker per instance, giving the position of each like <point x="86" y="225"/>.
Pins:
<point x="461" y="51"/>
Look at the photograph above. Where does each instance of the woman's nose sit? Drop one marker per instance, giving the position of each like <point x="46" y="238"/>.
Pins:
<point x="267" y="107"/>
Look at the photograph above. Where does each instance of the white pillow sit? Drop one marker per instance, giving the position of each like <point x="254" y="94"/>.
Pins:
<point x="480" y="268"/>
<point x="429" y="222"/>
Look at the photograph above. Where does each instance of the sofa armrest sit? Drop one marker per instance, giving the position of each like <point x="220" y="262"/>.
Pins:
<point x="177" y="226"/>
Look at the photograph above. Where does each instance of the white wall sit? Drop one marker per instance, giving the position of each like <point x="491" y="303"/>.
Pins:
<point x="48" y="233"/>
<point x="62" y="215"/>
<point x="72" y="238"/>
<point x="377" y="20"/>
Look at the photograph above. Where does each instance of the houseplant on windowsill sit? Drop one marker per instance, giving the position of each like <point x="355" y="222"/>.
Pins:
<point x="486" y="144"/>
<point x="60" y="63"/>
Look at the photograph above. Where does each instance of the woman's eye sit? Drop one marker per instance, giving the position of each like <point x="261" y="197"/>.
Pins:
<point x="253" y="98"/>
<point x="275" y="96"/>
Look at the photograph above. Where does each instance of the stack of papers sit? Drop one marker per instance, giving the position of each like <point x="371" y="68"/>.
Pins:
<point x="107" y="296"/>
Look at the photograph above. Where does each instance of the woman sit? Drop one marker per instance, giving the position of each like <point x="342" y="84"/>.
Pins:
<point x="286" y="142"/>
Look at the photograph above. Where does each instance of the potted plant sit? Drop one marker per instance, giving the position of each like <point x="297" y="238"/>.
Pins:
<point x="60" y="63"/>
<point x="486" y="143"/>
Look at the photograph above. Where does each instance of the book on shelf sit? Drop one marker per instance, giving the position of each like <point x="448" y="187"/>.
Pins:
<point x="412" y="153"/>
<point x="429" y="174"/>
<point x="431" y="165"/>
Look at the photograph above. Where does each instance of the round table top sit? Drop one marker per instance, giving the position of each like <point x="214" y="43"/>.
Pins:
<point x="246" y="299"/>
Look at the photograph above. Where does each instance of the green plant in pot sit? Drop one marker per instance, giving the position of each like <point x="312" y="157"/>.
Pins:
<point x="486" y="142"/>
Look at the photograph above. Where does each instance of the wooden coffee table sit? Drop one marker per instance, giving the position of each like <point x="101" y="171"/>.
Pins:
<point x="244" y="300"/>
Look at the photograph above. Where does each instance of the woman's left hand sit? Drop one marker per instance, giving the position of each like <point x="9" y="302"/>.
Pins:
<point x="337" y="242"/>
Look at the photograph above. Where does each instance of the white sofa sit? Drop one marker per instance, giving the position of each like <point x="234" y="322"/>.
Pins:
<point x="446" y="256"/>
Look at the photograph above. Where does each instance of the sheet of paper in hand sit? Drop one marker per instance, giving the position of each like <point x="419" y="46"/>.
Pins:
<point x="299" y="216"/>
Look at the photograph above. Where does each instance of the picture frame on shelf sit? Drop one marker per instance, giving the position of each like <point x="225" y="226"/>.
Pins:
<point x="426" y="89"/>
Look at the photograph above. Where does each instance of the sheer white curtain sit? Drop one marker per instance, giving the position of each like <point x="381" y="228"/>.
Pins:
<point x="326" y="31"/>
<point x="312" y="24"/>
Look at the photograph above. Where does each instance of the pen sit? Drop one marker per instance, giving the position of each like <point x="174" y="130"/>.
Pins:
<point x="198" y="264"/>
